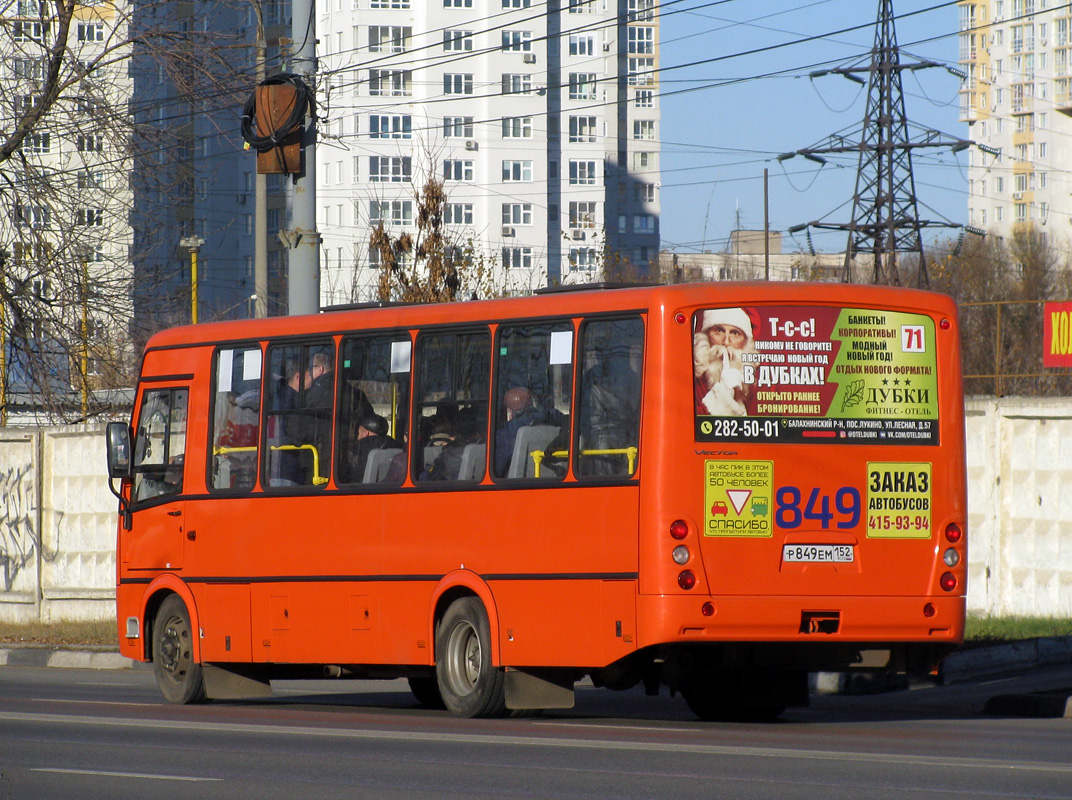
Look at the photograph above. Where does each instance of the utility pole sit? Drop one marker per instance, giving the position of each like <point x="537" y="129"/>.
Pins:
<point x="303" y="239"/>
<point x="885" y="211"/>
<point x="260" y="195"/>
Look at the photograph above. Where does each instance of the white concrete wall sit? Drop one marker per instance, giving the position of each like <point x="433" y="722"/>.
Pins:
<point x="58" y="520"/>
<point x="1020" y="506"/>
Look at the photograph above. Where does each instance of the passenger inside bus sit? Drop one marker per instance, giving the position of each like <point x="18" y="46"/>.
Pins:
<point x="522" y="412"/>
<point x="371" y="437"/>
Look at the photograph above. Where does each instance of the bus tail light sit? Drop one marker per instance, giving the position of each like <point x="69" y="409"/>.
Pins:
<point x="929" y="610"/>
<point x="953" y="533"/>
<point x="948" y="581"/>
<point x="708" y="609"/>
<point x="686" y="579"/>
<point x="679" y="529"/>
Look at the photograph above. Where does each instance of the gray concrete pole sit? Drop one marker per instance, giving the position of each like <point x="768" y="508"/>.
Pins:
<point x="303" y="285"/>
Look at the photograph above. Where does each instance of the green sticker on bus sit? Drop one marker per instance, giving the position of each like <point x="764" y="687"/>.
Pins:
<point x="737" y="498"/>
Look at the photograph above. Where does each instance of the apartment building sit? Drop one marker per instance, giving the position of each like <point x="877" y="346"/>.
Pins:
<point x="541" y="118"/>
<point x="1017" y="103"/>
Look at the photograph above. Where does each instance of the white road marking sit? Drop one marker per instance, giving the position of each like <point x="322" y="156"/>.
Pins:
<point x="105" y="774"/>
<point x="944" y="762"/>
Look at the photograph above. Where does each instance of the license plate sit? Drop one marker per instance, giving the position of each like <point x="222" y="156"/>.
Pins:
<point x="835" y="553"/>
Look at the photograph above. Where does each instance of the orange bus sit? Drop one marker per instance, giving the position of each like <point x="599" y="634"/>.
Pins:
<point x="716" y="488"/>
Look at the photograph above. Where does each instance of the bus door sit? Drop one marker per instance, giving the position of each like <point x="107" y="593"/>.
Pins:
<point x="157" y="535"/>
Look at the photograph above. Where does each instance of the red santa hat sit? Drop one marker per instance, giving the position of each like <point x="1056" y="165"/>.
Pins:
<point x="737" y="317"/>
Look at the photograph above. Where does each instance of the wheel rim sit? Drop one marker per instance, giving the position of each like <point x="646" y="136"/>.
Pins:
<point x="464" y="658"/>
<point x="175" y="657"/>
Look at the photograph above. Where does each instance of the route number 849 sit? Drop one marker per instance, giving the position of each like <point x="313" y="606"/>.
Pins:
<point x="790" y="513"/>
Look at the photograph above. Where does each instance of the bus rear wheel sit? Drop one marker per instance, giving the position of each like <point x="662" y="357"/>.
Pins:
<point x="177" y="674"/>
<point x="470" y="685"/>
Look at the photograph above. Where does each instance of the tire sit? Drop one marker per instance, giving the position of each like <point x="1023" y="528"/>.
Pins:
<point x="426" y="689"/>
<point x="470" y="685"/>
<point x="758" y="695"/>
<point x="177" y="674"/>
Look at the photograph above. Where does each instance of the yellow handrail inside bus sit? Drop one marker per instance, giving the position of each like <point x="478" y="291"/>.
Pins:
<point x="629" y="452"/>
<point x="317" y="479"/>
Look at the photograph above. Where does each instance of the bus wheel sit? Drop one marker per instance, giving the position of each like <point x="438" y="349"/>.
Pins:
<point x="470" y="685"/>
<point x="426" y="689"/>
<point x="177" y="674"/>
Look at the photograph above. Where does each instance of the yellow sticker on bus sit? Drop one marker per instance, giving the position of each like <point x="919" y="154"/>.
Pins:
<point x="737" y="498"/>
<point x="898" y="500"/>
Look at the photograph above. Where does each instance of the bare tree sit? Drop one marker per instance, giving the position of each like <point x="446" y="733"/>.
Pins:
<point x="98" y="105"/>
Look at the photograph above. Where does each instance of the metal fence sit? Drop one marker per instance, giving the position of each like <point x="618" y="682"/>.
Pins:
<point x="1001" y="342"/>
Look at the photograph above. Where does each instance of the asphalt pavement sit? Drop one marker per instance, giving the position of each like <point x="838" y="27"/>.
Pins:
<point x="1041" y="669"/>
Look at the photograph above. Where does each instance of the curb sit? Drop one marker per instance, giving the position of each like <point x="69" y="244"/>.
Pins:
<point x="71" y="659"/>
<point x="990" y="662"/>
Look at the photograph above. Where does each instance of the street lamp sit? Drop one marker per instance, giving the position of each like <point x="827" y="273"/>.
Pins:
<point x="193" y="244"/>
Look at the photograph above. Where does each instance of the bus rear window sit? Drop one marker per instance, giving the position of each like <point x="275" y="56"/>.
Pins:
<point x="814" y="374"/>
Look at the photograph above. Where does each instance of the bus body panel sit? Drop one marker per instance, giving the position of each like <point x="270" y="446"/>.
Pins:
<point x="572" y="575"/>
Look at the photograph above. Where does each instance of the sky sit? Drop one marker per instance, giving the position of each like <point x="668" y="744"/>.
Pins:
<point x="723" y="124"/>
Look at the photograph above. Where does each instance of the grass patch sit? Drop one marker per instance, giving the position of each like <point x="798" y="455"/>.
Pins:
<point x="981" y="629"/>
<point x="60" y="633"/>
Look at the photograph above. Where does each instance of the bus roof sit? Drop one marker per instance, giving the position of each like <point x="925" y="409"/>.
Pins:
<point x="582" y="301"/>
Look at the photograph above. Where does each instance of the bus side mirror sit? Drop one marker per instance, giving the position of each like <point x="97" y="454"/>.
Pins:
<point x="118" y="450"/>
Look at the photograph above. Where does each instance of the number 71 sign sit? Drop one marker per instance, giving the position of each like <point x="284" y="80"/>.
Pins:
<point x="912" y="340"/>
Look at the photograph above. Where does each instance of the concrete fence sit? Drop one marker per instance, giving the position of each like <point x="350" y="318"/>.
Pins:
<point x="58" y="519"/>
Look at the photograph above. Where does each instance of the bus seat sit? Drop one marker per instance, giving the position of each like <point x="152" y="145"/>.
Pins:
<point x="473" y="458"/>
<point x="529" y="438"/>
<point x="379" y="461"/>
<point x="431" y="453"/>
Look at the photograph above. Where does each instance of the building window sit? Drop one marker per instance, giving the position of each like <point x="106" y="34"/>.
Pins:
<point x="458" y="213"/>
<point x="582" y="44"/>
<point x="90" y="32"/>
<point x="516" y="3"/>
<point x="457" y="41"/>
<point x="582" y="86"/>
<point x="458" y="83"/>
<point x="641" y="10"/>
<point x="40" y="143"/>
<point x="513" y="83"/>
<point x="90" y="143"/>
<point x="377" y="4"/>
<point x="391" y="212"/>
<point x="517" y="127"/>
<point x="388" y="38"/>
<point x="643" y="223"/>
<point x="645" y="98"/>
<point x="458" y="127"/>
<point x="516" y="171"/>
<point x="582" y="129"/>
<point x="641" y="41"/>
<point x="582" y="172"/>
<point x="517" y="213"/>
<point x="457" y="170"/>
<point x="582" y="258"/>
<point x="390" y="127"/>
<point x="1021" y="212"/>
<point x="90" y="180"/>
<point x="643" y="129"/>
<point x="390" y="82"/>
<point x="390" y="169"/>
<point x="457" y="3"/>
<point x="582" y="6"/>
<point x="517" y="257"/>
<point x="643" y="161"/>
<point x="89" y="217"/>
<point x="644" y="192"/>
<point x="641" y="71"/>
<point x="582" y="214"/>
<point x="27" y="216"/>
<point x="517" y="41"/>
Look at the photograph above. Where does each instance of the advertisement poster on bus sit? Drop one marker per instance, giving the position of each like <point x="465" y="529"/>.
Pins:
<point x="814" y="374"/>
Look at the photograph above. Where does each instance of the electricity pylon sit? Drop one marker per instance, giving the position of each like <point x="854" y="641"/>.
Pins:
<point x="885" y="211"/>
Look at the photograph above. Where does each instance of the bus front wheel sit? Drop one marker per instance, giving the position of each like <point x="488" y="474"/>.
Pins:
<point x="470" y="685"/>
<point x="177" y="674"/>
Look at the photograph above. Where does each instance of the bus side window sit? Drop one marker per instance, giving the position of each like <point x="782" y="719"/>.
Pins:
<point x="373" y="410"/>
<point x="160" y="444"/>
<point x="608" y="429"/>
<point x="451" y="412"/>
<point x="299" y="419"/>
<point x="534" y="386"/>
<point x="236" y="419"/>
